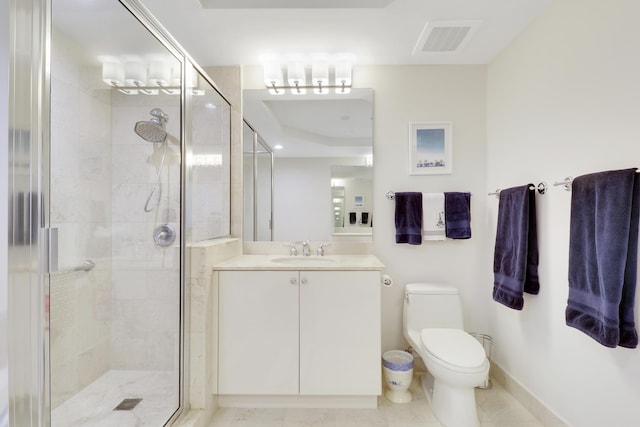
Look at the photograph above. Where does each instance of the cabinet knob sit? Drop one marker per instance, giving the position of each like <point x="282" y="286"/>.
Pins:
<point x="293" y="281"/>
<point x="304" y="281"/>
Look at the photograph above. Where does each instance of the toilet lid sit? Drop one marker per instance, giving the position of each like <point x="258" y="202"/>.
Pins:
<point x="454" y="347"/>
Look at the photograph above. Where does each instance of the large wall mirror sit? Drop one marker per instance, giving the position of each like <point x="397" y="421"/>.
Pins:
<point x="321" y="144"/>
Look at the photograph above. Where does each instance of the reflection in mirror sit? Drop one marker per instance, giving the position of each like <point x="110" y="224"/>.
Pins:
<point x="258" y="165"/>
<point x="315" y="132"/>
<point x="351" y="192"/>
<point x="211" y="161"/>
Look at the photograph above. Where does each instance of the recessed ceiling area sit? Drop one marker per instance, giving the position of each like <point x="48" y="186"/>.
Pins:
<point x="312" y="125"/>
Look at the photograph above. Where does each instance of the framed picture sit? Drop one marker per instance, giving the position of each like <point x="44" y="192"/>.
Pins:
<point x="358" y="201"/>
<point x="430" y="148"/>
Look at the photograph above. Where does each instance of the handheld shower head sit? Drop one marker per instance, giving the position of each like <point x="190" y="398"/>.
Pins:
<point x="153" y="130"/>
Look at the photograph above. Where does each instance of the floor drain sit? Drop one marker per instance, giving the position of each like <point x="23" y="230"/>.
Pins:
<point x="127" y="404"/>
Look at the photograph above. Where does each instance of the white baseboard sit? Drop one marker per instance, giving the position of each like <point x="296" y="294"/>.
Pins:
<point x="545" y="415"/>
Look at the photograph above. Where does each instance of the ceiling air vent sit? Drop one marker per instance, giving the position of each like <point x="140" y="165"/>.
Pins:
<point x="445" y="36"/>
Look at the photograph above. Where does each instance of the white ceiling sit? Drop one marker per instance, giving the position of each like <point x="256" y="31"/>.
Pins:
<point x="385" y="33"/>
<point x="229" y="32"/>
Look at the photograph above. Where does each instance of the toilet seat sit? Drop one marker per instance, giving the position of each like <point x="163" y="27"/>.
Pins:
<point x="455" y="349"/>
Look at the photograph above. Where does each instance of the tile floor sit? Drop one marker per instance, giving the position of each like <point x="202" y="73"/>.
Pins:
<point x="496" y="408"/>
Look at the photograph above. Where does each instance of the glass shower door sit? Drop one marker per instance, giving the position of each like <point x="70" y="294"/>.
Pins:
<point x="115" y="188"/>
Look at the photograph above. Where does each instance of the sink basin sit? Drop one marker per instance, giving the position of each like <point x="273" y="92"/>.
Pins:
<point x="301" y="259"/>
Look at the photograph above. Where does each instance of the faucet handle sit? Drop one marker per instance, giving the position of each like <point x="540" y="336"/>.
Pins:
<point x="320" y="250"/>
<point x="306" y="250"/>
<point x="293" y="251"/>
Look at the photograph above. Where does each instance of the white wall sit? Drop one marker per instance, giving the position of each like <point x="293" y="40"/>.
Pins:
<point x="563" y="99"/>
<point x="429" y="93"/>
<point x="4" y="132"/>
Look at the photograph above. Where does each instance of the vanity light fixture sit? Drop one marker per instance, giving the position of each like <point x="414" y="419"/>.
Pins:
<point x="319" y="72"/>
<point x="113" y="74"/>
<point x="134" y="76"/>
<point x="296" y="75"/>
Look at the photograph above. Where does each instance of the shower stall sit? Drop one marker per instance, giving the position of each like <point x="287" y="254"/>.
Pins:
<point x="116" y="134"/>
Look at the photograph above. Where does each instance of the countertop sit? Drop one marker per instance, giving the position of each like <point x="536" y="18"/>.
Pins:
<point x="285" y="262"/>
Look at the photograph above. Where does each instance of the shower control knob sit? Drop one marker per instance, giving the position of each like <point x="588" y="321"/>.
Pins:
<point x="164" y="235"/>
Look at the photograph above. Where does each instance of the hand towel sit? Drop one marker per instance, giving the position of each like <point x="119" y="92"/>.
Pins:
<point x="515" y="262"/>
<point x="408" y="218"/>
<point x="352" y="218"/>
<point x="457" y="215"/>
<point x="603" y="252"/>
<point x="433" y="223"/>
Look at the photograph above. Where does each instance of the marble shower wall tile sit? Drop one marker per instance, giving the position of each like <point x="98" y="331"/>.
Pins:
<point x="79" y="302"/>
<point x="146" y="282"/>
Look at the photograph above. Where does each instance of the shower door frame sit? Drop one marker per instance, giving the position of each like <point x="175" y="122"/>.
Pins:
<point x="29" y="260"/>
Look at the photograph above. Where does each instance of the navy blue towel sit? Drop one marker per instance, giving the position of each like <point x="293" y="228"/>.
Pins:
<point x="603" y="256"/>
<point x="409" y="218"/>
<point x="515" y="261"/>
<point x="457" y="215"/>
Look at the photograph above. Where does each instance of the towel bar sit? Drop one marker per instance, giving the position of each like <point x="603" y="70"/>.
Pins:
<point x="567" y="183"/>
<point x="541" y="187"/>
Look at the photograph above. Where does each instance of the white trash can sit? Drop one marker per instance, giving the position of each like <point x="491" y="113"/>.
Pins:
<point x="397" y="366"/>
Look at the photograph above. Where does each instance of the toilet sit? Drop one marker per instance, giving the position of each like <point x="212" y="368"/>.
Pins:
<point x="456" y="362"/>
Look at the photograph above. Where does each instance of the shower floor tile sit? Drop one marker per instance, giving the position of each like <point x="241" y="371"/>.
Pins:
<point x="94" y="405"/>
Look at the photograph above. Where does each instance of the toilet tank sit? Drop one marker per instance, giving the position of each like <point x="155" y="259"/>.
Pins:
<point x="431" y="305"/>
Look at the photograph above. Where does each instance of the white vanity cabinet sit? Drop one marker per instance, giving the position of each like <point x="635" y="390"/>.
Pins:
<point x="258" y="332"/>
<point x="299" y="332"/>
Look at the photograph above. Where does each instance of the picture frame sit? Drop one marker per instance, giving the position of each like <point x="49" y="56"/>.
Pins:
<point x="358" y="201"/>
<point x="430" y="148"/>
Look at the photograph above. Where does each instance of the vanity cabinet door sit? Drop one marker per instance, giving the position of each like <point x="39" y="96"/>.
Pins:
<point x="340" y="347"/>
<point x="258" y="317"/>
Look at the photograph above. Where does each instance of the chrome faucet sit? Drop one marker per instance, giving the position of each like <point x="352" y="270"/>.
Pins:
<point x="320" y="250"/>
<point x="293" y="251"/>
<point x="306" y="250"/>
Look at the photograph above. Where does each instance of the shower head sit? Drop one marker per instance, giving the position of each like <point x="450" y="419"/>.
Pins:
<point x="150" y="131"/>
<point x="153" y="130"/>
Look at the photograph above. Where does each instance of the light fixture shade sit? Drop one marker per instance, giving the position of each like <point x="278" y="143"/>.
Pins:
<point x="273" y="78"/>
<point x="193" y="80"/>
<point x="295" y="74"/>
<point x="343" y="77"/>
<point x="273" y="75"/>
<point x="135" y="74"/>
<point x="296" y="77"/>
<point x="320" y="77"/>
<point x="159" y="74"/>
<point x="113" y="74"/>
<point x="176" y="75"/>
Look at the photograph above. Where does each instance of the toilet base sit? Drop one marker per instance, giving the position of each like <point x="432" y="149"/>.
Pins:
<point x="454" y="407"/>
